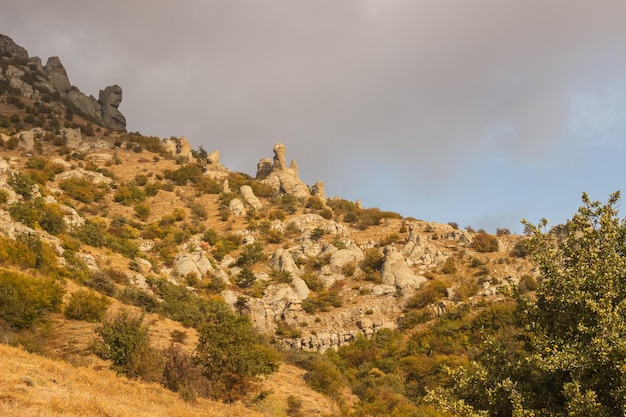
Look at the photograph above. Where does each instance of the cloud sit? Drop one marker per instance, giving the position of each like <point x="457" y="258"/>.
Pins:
<point x="419" y="93"/>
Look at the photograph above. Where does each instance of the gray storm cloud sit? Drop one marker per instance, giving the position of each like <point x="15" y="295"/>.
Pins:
<point x="422" y="88"/>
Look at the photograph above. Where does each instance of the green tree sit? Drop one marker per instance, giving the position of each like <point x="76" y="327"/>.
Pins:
<point x="124" y="340"/>
<point x="570" y="356"/>
<point x="232" y="355"/>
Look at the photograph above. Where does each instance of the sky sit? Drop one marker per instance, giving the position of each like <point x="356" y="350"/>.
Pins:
<point x="479" y="112"/>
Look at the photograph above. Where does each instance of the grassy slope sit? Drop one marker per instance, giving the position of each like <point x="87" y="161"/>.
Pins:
<point x="31" y="385"/>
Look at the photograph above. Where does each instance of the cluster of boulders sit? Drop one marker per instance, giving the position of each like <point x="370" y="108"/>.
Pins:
<point x="33" y="80"/>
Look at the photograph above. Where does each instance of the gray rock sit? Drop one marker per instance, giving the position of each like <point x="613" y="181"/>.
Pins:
<point x="9" y="47"/>
<point x="57" y="75"/>
<point x="110" y="99"/>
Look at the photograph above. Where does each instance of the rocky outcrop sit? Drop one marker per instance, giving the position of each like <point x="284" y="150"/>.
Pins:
<point x="11" y="49"/>
<point x="418" y="251"/>
<point x="318" y="191"/>
<point x="57" y="75"/>
<point x="110" y="99"/>
<point x="33" y="80"/>
<point x="177" y="147"/>
<point x="395" y="271"/>
<point x="278" y="175"/>
<point x="191" y="263"/>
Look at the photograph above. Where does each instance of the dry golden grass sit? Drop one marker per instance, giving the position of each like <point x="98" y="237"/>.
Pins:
<point x="34" y="386"/>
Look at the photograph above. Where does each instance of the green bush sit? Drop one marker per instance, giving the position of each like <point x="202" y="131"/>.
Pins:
<point x="129" y="194"/>
<point x="124" y="340"/>
<point x="83" y="190"/>
<point x="87" y="306"/>
<point x="25" y="299"/>
<point x="427" y="294"/>
<point x="232" y="375"/>
<point x="484" y="242"/>
<point x="522" y="248"/>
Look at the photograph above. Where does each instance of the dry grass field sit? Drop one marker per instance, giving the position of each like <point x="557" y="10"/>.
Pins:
<point x="33" y="386"/>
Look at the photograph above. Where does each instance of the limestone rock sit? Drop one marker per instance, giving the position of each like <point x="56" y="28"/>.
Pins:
<point x="169" y="145"/>
<point x="264" y="168"/>
<point x="283" y="261"/>
<point x="177" y="147"/>
<point x="26" y="140"/>
<point x="395" y="271"/>
<point x="57" y="75"/>
<point x="86" y="104"/>
<point x="419" y="251"/>
<point x="318" y="190"/>
<point x="110" y="99"/>
<point x="236" y="207"/>
<point x="94" y="177"/>
<point x="191" y="263"/>
<point x="249" y="198"/>
<point x="7" y="46"/>
<point x="73" y="137"/>
<point x="279" y="176"/>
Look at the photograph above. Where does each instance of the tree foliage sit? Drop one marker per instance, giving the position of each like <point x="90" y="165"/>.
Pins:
<point x="570" y="356"/>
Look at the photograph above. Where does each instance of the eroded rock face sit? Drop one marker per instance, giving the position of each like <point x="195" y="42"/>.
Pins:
<point x="57" y="75"/>
<point x="396" y="271"/>
<point x="7" y="46"/>
<point x="110" y="99"/>
<point x="278" y="175"/>
<point x="177" y="147"/>
<point x="249" y="198"/>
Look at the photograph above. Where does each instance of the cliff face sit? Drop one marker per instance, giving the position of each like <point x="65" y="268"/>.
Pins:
<point x="27" y="75"/>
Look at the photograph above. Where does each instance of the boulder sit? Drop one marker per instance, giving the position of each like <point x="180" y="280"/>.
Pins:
<point x="249" y="198"/>
<point x="26" y="140"/>
<point x="236" y="207"/>
<point x="73" y="137"/>
<point x="191" y="263"/>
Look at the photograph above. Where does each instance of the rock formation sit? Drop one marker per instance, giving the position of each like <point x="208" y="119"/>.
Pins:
<point x="110" y="99"/>
<point x="279" y="176"/>
<point x="10" y="48"/>
<point x="177" y="147"/>
<point x="33" y="80"/>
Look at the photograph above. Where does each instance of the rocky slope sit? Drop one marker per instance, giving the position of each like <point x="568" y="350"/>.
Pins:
<point x="311" y="272"/>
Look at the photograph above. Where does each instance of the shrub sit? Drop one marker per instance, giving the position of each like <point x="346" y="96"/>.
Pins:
<point x="124" y="340"/>
<point x="245" y="278"/>
<point x="142" y="211"/>
<point x="231" y="375"/>
<point x="251" y="254"/>
<point x="129" y="194"/>
<point x="317" y="233"/>
<point x="87" y="306"/>
<point x="427" y="294"/>
<point x="449" y="266"/>
<point x="22" y="184"/>
<point x="485" y="243"/>
<point x="522" y="248"/>
<point x="25" y="300"/>
<point x="83" y="190"/>
<point x="323" y="376"/>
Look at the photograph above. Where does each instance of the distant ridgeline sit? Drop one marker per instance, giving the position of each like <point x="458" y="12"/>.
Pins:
<point x="26" y="76"/>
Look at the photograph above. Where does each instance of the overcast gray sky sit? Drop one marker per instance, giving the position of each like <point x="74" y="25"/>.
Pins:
<point x="481" y="112"/>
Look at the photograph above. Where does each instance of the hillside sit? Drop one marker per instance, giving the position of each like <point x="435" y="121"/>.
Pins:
<point x="151" y="225"/>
